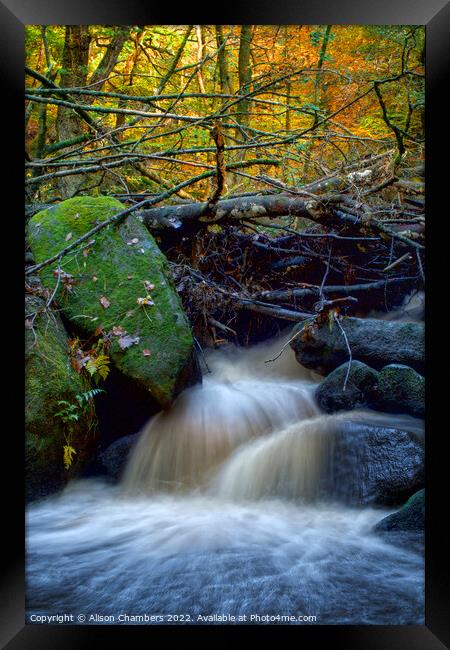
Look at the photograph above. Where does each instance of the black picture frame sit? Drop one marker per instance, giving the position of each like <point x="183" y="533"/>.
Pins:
<point x="435" y="15"/>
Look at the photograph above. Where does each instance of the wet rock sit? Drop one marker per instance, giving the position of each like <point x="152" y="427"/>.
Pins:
<point x="358" y="391"/>
<point x="114" y="458"/>
<point x="374" y="342"/>
<point x="373" y="465"/>
<point x="401" y="390"/>
<point x="411" y="517"/>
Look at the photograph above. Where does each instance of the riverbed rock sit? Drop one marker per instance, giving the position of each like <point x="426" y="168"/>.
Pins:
<point x="374" y="465"/>
<point x="120" y="281"/>
<point x="411" y="517"/>
<point x="115" y="457"/>
<point x="374" y="342"/>
<point x="401" y="390"/>
<point x="49" y="378"/>
<point x="332" y="396"/>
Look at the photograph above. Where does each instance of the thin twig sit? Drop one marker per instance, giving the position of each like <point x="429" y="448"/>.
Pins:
<point x="336" y="319"/>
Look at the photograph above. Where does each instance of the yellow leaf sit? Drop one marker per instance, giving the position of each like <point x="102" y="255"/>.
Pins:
<point x="68" y="453"/>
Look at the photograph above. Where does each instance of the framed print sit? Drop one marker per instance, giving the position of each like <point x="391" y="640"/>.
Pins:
<point x="228" y="352"/>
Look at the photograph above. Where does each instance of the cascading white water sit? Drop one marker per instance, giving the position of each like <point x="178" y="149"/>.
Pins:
<point x="220" y="512"/>
<point x="243" y="398"/>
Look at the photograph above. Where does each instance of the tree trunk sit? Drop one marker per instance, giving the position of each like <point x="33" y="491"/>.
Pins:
<point x="110" y="58"/>
<point x="73" y="74"/>
<point x="225" y="81"/>
<point x="245" y="77"/>
<point x="201" y="83"/>
<point x="317" y="97"/>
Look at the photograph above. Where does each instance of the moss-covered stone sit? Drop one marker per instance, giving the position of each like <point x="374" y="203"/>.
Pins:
<point x="50" y="378"/>
<point x="401" y="390"/>
<point x="123" y="258"/>
<point x="361" y="381"/>
<point x="411" y="517"/>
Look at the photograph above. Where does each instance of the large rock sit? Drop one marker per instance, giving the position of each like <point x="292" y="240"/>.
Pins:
<point x="374" y="342"/>
<point x="50" y="378"/>
<point x="108" y="279"/>
<point x="401" y="390"/>
<point x="375" y="465"/>
<point x="411" y="517"/>
<point x="332" y="396"/>
<point x="395" y="389"/>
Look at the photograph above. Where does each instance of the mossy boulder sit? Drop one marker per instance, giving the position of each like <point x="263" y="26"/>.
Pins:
<point x="401" y="390"/>
<point x="108" y="279"/>
<point x="361" y="382"/>
<point x="49" y="378"/>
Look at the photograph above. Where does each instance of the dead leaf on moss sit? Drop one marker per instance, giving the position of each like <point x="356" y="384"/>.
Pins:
<point x="127" y="341"/>
<point x="104" y="302"/>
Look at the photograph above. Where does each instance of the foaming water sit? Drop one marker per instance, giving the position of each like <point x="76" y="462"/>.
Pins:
<point x="93" y="550"/>
<point x="243" y="397"/>
<point x="299" y="462"/>
<point x="223" y="511"/>
<point x="412" y="310"/>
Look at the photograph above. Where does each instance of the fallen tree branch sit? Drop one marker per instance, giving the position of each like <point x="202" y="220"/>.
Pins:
<point x="286" y="294"/>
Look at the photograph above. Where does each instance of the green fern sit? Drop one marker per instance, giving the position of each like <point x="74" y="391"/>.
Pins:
<point x="72" y="412"/>
<point x="83" y="398"/>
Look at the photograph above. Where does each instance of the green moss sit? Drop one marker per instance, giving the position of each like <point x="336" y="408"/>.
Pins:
<point x="403" y="389"/>
<point x="116" y="267"/>
<point x="49" y="378"/>
<point x="417" y="499"/>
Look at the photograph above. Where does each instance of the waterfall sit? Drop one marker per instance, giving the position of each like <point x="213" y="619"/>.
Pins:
<point x="243" y="500"/>
<point x="252" y="430"/>
<point x="243" y="398"/>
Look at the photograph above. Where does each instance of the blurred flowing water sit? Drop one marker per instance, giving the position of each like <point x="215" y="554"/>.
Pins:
<point x="230" y="506"/>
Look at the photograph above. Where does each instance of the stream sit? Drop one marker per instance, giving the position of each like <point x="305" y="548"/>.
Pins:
<point x="231" y="510"/>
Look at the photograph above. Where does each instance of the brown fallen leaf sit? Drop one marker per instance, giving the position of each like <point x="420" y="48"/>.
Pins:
<point x="76" y="365"/>
<point x="98" y="331"/>
<point x="104" y="302"/>
<point x="146" y="352"/>
<point x="118" y="331"/>
<point x="127" y="341"/>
